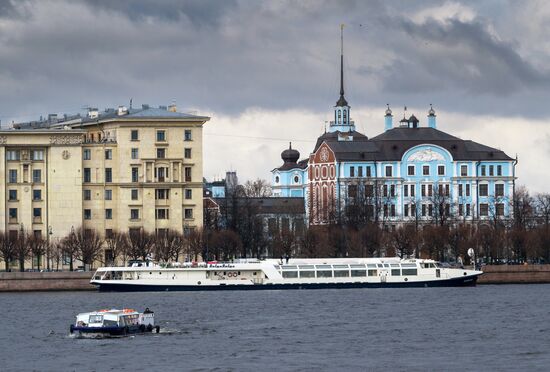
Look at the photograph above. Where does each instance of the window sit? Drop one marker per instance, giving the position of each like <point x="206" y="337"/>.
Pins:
<point x="187" y="174"/>
<point x="134" y="135"/>
<point x="87" y="195"/>
<point x="500" y="209"/>
<point x="369" y="190"/>
<point x="187" y="136"/>
<point x="423" y="190"/>
<point x="385" y="190"/>
<point x="406" y="210"/>
<point x="406" y="190"/>
<point x="108" y="214"/>
<point x="108" y="235"/>
<point x="412" y="187"/>
<point x="368" y="171"/>
<point x="392" y="190"/>
<point x="446" y="190"/>
<point x="276" y="179"/>
<point x="467" y="190"/>
<point x="13" y="176"/>
<point x="430" y="210"/>
<point x="135" y="174"/>
<point x="359" y="171"/>
<point x="499" y="189"/>
<point x="468" y="209"/>
<point x="188" y="213"/>
<point x="187" y="153"/>
<point x="134" y="214"/>
<point x="108" y="154"/>
<point x="483" y="209"/>
<point x="296" y="179"/>
<point x="36" y="195"/>
<point x="161" y="153"/>
<point x="491" y="170"/>
<point x="426" y="170"/>
<point x="37" y="213"/>
<point x="483" y="190"/>
<point x="410" y="170"/>
<point x="87" y="214"/>
<point x="108" y="194"/>
<point x="464" y="170"/>
<point x="162" y="214"/>
<point x="389" y="171"/>
<point x="161" y="136"/>
<point x="460" y="190"/>
<point x="162" y="194"/>
<point x="37" y="175"/>
<point x="406" y="272"/>
<point x="352" y="191"/>
<point x="430" y="190"/>
<point x="37" y="155"/>
<point x="135" y="153"/>
<point x="499" y="170"/>
<point x="352" y="171"/>
<point x="13" y="195"/>
<point x="392" y="210"/>
<point x="483" y="171"/>
<point x="461" y="210"/>
<point x="12" y="155"/>
<point x="188" y="194"/>
<point x="440" y="170"/>
<point x="87" y="154"/>
<point x="161" y="173"/>
<point x="13" y="213"/>
<point x="423" y="210"/>
<point x="87" y="175"/>
<point x="108" y="175"/>
<point x="134" y="194"/>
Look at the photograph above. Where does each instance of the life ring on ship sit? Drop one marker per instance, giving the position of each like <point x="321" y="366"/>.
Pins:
<point x="229" y="274"/>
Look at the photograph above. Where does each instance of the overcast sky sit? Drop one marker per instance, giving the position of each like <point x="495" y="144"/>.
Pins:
<point x="267" y="72"/>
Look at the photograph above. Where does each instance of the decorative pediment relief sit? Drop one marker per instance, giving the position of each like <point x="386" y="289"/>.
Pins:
<point x="426" y="155"/>
<point x="65" y="140"/>
<point x="3" y="140"/>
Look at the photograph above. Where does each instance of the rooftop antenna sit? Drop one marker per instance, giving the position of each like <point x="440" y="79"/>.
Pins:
<point x="404" y="112"/>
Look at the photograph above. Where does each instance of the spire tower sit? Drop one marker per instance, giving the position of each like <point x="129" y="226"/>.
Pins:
<point x="342" y="122"/>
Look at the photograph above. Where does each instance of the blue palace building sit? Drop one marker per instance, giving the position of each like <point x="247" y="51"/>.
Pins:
<point x="410" y="172"/>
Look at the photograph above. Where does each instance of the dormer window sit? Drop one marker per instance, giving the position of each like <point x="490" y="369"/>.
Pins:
<point x="276" y="179"/>
<point x="296" y="179"/>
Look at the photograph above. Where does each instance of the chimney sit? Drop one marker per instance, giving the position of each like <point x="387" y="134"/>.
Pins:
<point x="431" y="117"/>
<point x="388" y="119"/>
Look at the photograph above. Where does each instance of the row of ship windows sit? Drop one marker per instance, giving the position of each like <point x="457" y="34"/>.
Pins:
<point x="411" y="170"/>
<point x="134" y="153"/>
<point x="160" y="194"/>
<point x="160" y="214"/>
<point x="345" y="273"/>
<point x="342" y="266"/>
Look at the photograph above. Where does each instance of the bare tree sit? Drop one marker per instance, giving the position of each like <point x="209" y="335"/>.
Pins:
<point x="140" y="244"/>
<point x="196" y="244"/>
<point x="257" y="189"/>
<point x="89" y="246"/>
<point x="37" y="246"/>
<point x="7" y="249"/>
<point x="372" y="237"/>
<point x="168" y="246"/>
<point x="403" y="240"/>
<point x="117" y="245"/>
<point x="70" y="248"/>
<point x="22" y="249"/>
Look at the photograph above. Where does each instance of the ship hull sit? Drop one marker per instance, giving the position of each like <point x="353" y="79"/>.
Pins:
<point x="464" y="281"/>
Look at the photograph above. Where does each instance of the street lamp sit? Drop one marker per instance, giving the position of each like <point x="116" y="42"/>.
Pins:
<point x="50" y="233"/>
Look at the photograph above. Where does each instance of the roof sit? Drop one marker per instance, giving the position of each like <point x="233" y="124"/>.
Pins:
<point x="302" y="164"/>
<point x="392" y="145"/>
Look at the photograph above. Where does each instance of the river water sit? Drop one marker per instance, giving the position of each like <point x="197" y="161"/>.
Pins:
<point x="486" y="328"/>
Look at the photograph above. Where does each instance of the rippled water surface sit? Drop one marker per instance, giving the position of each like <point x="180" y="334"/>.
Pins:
<point x="445" y="329"/>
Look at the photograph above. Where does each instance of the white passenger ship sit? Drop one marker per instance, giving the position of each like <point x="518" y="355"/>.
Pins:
<point x="292" y="274"/>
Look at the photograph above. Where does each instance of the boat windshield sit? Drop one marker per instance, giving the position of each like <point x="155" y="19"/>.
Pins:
<point x="95" y="319"/>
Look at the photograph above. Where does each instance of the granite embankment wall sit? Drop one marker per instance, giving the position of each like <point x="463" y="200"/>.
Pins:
<point x="515" y="274"/>
<point x="51" y="281"/>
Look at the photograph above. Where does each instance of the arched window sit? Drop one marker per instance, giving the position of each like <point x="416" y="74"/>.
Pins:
<point x="339" y="116"/>
<point x="296" y="179"/>
<point x="345" y="112"/>
<point x="276" y="179"/>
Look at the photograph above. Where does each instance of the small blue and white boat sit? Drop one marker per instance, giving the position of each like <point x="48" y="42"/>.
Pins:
<point x="115" y="322"/>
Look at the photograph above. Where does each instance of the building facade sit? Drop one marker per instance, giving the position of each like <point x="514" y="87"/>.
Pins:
<point x="410" y="172"/>
<point x="118" y="170"/>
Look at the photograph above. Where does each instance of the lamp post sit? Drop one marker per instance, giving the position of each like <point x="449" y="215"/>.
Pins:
<point x="50" y="233"/>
